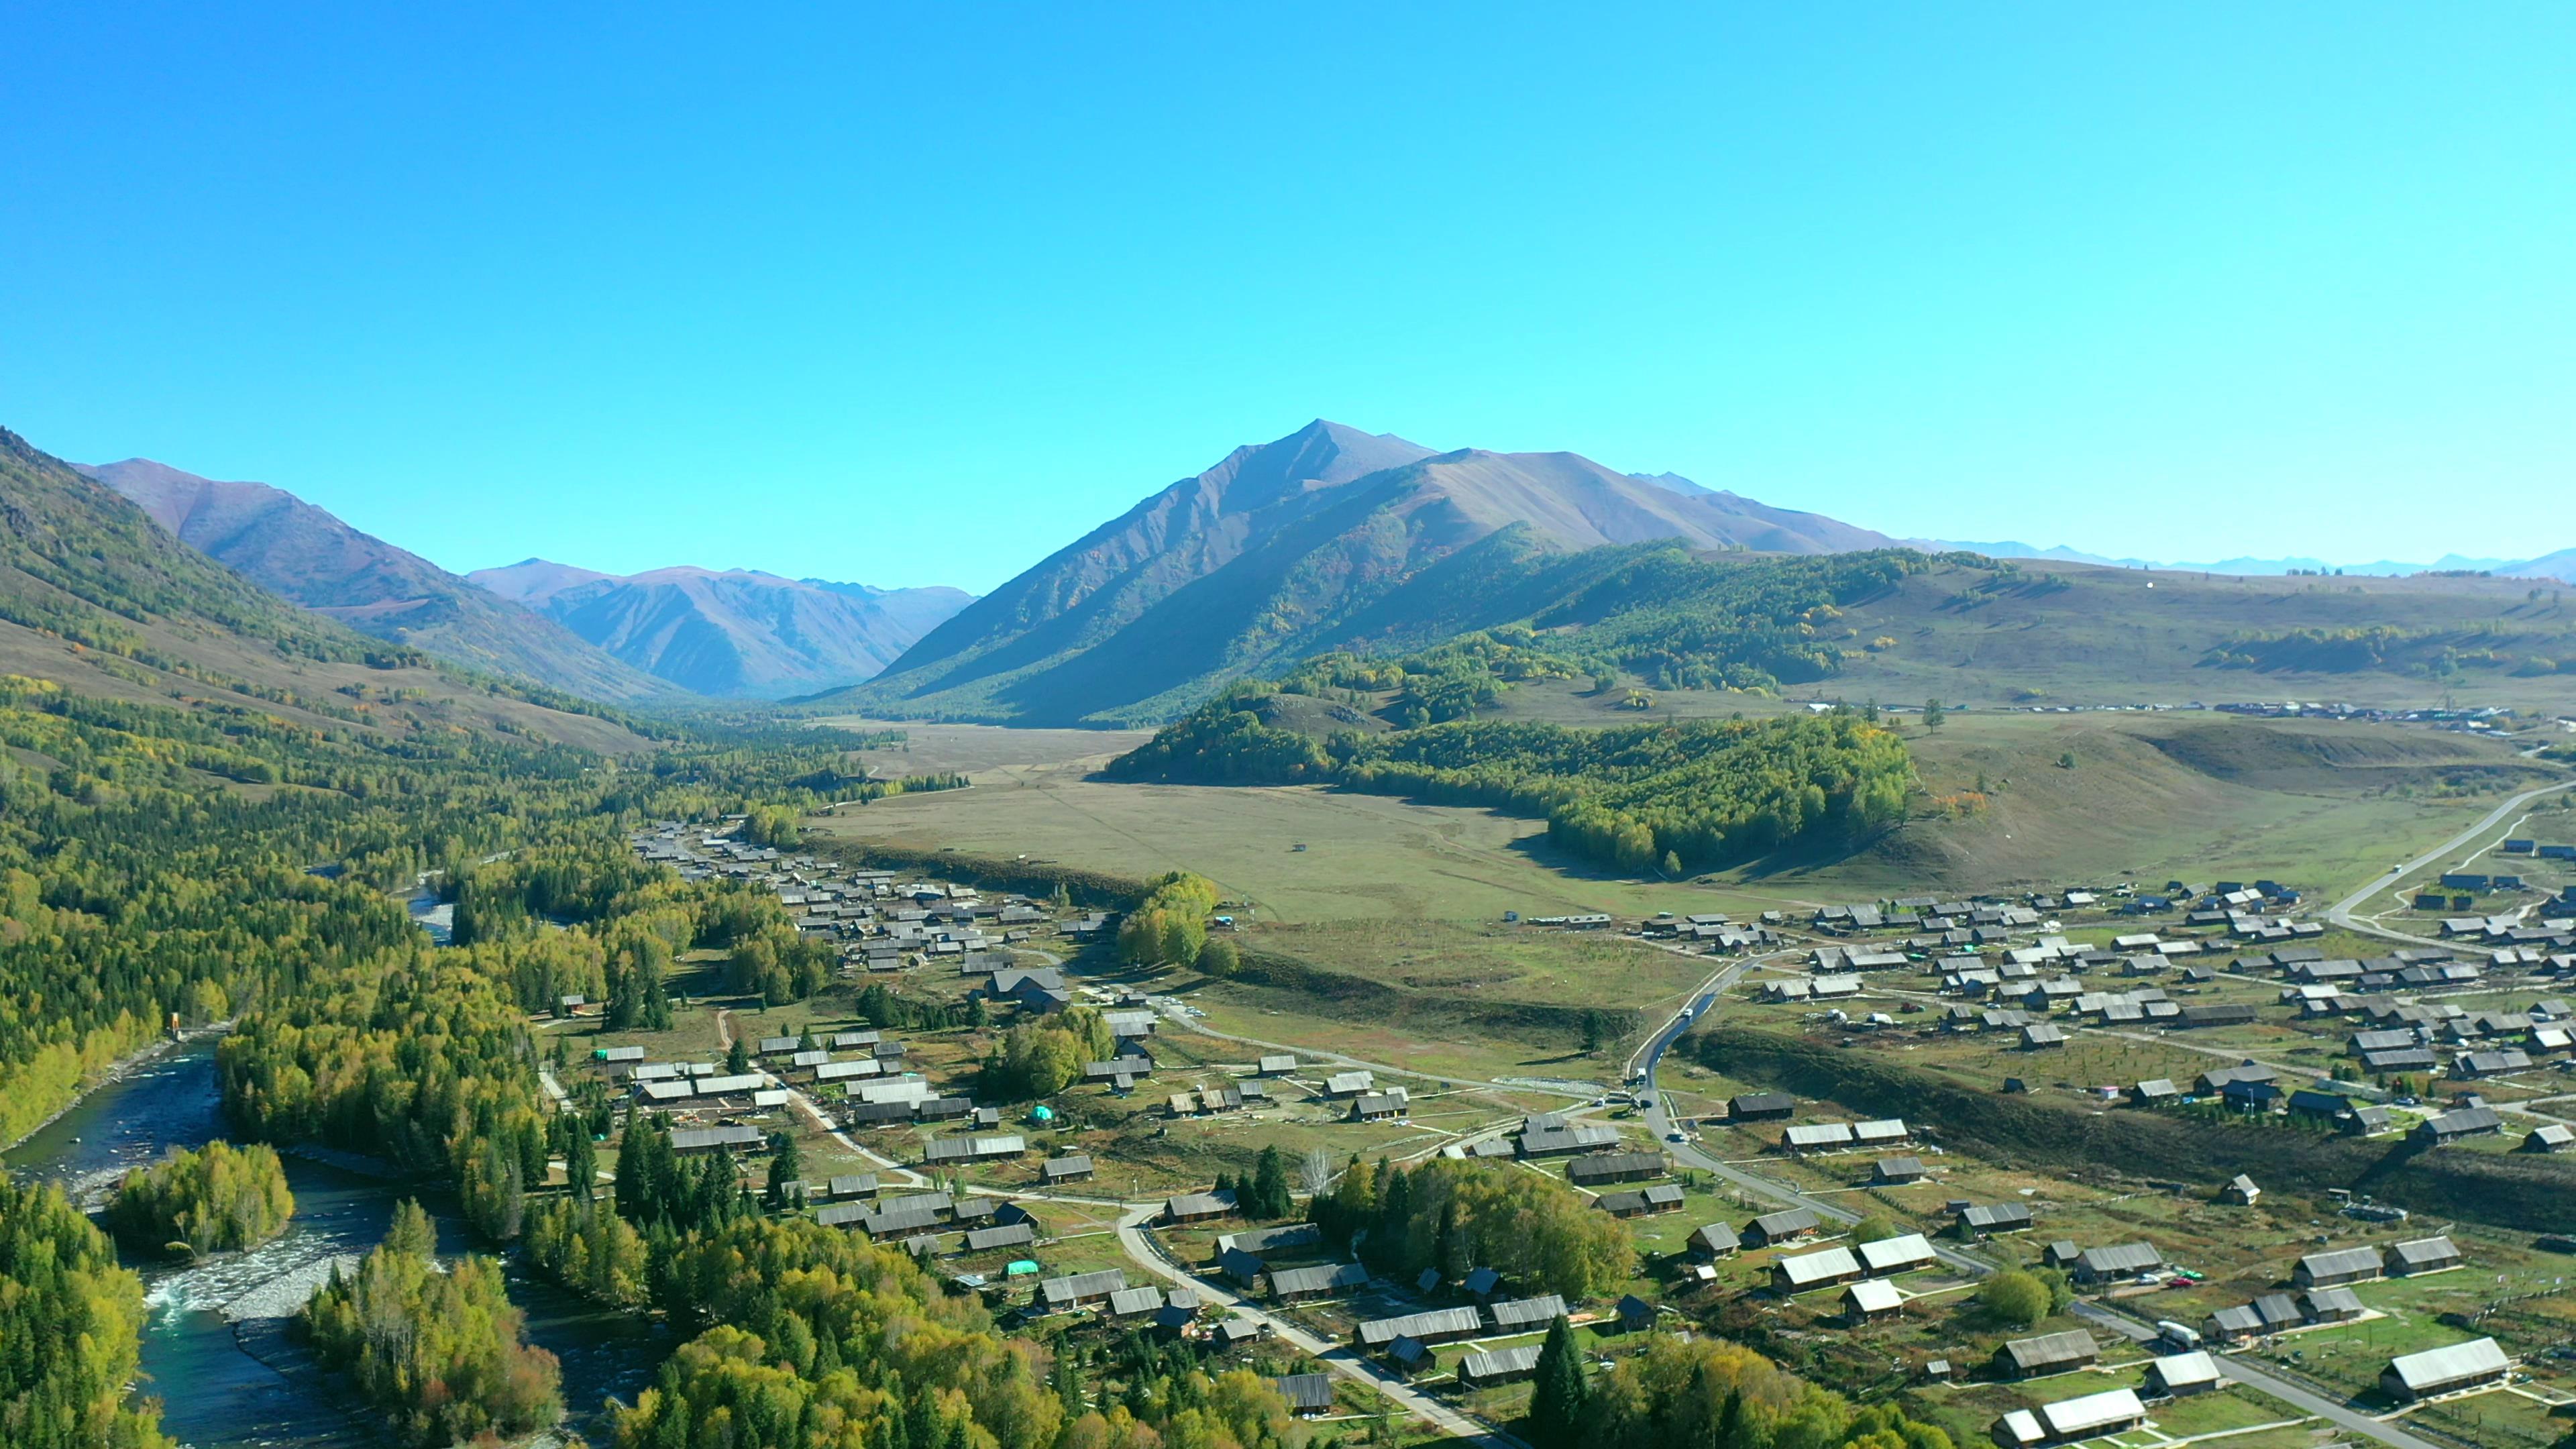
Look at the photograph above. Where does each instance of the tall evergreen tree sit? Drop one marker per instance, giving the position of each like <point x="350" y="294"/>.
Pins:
<point x="1558" y="1400"/>
<point x="1270" y="1197"/>
<point x="1732" y="1430"/>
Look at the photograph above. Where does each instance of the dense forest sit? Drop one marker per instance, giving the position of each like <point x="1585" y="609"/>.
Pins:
<point x="68" y="1323"/>
<point x="218" y="1198"/>
<point x="1662" y="795"/>
<point x="208" y="860"/>
<point x="436" y="1346"/>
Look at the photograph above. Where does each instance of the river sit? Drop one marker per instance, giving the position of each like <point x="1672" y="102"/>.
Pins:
<point x="215" y="1379"/>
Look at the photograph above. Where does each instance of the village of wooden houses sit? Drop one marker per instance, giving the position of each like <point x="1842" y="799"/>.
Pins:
<point x="1889" y="1201"/>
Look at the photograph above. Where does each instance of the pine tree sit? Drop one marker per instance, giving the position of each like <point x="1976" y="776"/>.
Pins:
<point x="1270" y="1197"/>
<point x="581" y="1160"/>
<point x="1558" y="1400"/>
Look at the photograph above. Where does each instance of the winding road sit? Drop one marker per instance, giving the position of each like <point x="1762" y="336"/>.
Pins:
<point x="2341" y="912"/>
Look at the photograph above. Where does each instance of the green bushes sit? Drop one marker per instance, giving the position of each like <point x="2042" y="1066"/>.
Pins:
<point x="855" y="1331"/>
<point x="438" y="1352"/>
<point x="588" y="1249"/>
<point x="1168" y="927"/>
<point x="1042" y="1058"/>
<point x="214" y="1200"/>
<point x="1708" y="1391"/>
<point x="2014" y="1299"/>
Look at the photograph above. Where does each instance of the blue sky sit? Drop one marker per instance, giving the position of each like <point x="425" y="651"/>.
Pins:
<point x="917" y="295"/>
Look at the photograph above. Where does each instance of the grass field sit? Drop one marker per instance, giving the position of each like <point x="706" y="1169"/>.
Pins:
<point x="2147" y="797"/>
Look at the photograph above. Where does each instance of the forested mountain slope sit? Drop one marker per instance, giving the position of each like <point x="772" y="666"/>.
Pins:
<point x="308" y="556"/>
<point x="96" y="597"/>
<point x="733" y="632"/>
<point x="1327" y="538"/>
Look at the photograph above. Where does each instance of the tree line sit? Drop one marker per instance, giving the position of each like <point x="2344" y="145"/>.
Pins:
<point x="1673" y="796"/>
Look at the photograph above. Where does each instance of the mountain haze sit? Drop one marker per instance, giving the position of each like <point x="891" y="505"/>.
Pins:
<point x="1326" y="537"/>
<point x="308" y="556"/>
<point x="734" y="632"/>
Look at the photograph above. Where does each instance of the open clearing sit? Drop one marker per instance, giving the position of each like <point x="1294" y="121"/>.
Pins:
<point x="2147" y="796"/>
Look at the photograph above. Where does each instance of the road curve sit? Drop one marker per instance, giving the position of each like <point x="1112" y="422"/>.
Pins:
<point x="2340" y="913"/>
<point x="1338" y="1358"/>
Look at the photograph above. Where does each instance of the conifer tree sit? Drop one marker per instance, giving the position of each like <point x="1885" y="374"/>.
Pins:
<point x="1557" y="1401"/>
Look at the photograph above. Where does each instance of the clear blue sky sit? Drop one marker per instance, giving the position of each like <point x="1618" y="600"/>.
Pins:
<point x="913" y="295"/>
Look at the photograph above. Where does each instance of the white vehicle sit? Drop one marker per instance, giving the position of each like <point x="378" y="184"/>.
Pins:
<point x="2177" y="1334"/>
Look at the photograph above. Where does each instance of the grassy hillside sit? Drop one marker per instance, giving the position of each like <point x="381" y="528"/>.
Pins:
<point x="2072" y="634"/>
<point x="2159" y="796"/>
<point x="97" y="598"/>
<point x="1892" y="625"/>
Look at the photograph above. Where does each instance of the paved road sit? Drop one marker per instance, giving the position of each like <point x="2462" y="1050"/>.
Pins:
<point x="822" y="1119"/>
<point x="2340" y="913"/>
<point x="1339" y="1358"/>
<point x="1659" y="1121"/>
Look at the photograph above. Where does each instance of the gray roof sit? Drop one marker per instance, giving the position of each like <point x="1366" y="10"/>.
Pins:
<point x="2341" y="1263"/>
<point x="1781" y="1224"/>
<point x="1008" y="1236"/>
<point x="1306" y="1393"/>
<point x="1082" y="1285"/>
<point x="2419" y="1251"/>
<point x="2464" y="1119"/>
<point x="1323" y="1278"/>
<point x="2436" y="1368"/>
<point x="2050" y="1349"/>
<point x="1380" y="1332"/>
<point x="690" y="1139"/>
<point x="1521" y="1313"/>
<point x="1500" y="1363"/>
<point x="1135" y="1300"/>
<point x="2123" y="1258"/>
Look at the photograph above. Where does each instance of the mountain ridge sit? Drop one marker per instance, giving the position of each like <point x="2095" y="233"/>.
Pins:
<point x="730" y="632"/>
<point x="101" y="600"/>
<point x="1310" y="541"/>
<point x="309" y="556"/>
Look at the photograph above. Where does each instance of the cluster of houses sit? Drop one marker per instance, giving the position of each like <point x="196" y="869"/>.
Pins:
<point x="920" y="1222"/>
<point x="2323" y="1297"/>
<point x="2516" y="940"/>
<point x="882" y="923"/>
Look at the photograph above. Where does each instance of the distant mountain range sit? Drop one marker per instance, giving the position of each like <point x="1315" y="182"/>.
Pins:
<point x="737" y="632"/>
<point x="2560" y="565"/>
<point x="1329" y="537"/>
<point x="106" y="601"/>
<point x="308" y="556"/>
<point x="652" y="636"/>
